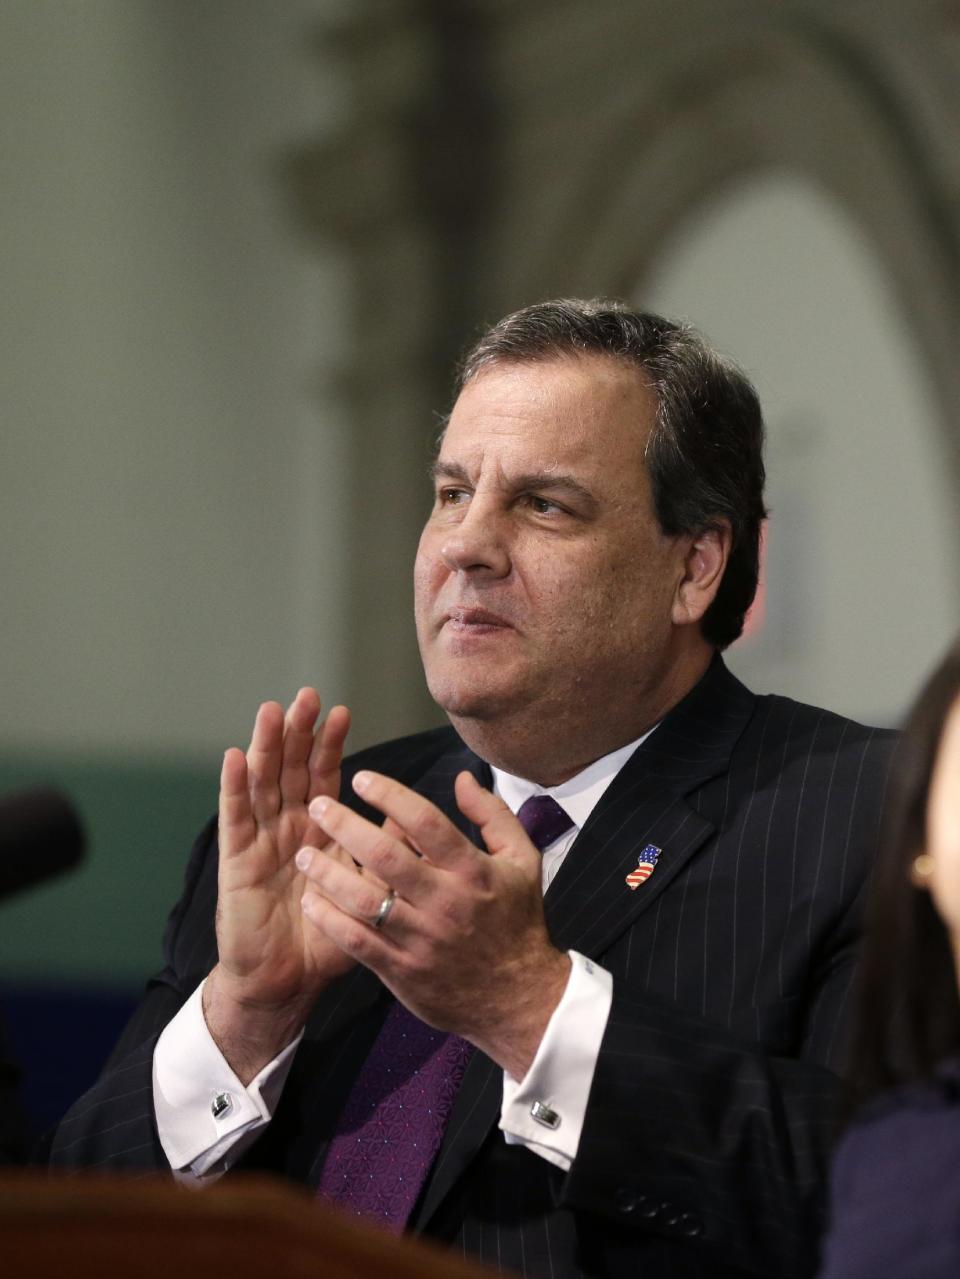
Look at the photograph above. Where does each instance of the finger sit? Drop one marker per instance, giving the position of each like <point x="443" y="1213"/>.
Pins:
<point x="236" y="827"/>
<point x="341" y="855"/>
<point x="263" y="761"/>
<point x="297" y="745"/>
<point x="323" y="772"/>
<point x="500" y="828"/>
<point x="368" y="946"/>
<point x="390" y="827"/>
<point x="375" y="849"/>
<point x="327" y="753"/>
<point x="346" y="886"/>
<point x="424" y="827"/>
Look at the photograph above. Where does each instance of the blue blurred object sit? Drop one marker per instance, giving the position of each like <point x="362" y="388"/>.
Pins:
<point x="60" y="1036"/>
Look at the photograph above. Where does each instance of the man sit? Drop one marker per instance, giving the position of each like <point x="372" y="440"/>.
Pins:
<point x="638" y="1076"/>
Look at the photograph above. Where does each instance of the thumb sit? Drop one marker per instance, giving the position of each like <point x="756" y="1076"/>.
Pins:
<point x="501" y="831"/>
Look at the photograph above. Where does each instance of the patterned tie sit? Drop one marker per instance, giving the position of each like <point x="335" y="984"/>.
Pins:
<point x="393" y="1122"/>
<point x="543" y="819"/>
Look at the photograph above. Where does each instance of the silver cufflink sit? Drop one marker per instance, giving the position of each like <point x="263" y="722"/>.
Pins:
<point x="221" y="1104"/>
<point x="543" y="1114"/>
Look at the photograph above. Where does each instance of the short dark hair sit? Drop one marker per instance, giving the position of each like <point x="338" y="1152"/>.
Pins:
<point x="908" y="1009"/>
<point x="705" y="454"/>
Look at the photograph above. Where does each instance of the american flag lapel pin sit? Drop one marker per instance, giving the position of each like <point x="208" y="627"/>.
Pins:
<point x="646" y="863"/>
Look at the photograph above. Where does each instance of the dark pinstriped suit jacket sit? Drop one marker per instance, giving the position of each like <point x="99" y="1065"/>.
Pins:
<point x="710" y="1116"/>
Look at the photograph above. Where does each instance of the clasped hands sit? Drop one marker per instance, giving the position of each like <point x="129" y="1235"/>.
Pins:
<point x="303" y="877"/>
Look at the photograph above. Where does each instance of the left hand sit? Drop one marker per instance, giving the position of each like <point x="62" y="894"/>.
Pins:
<point x="465" y="946"/>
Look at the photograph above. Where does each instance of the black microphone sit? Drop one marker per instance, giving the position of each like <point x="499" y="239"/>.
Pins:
<point x="40" y="837"/>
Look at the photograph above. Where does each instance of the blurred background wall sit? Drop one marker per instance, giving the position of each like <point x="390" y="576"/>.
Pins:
<point x="241" y="244"/>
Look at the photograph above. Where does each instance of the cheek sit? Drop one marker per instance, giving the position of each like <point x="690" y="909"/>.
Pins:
<point x="944" y="846"/>
<point x="943" y="808"/>
<point x="945" y="890"/>
<point x="427" y="564"/>
<point x="632" y="588"/>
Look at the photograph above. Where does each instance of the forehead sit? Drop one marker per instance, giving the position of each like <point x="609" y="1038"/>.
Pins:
<point x="591" y="412"/>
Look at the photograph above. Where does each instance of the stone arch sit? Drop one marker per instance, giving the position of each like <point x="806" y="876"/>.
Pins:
<point x="504" y="151"/>
<point x="782" y="88"/>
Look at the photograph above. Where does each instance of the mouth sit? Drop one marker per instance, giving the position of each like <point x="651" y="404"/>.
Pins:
<point x="475" y="621"/>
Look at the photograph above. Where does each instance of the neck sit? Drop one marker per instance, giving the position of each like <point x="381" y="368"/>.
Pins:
<point x="517" y="743"/>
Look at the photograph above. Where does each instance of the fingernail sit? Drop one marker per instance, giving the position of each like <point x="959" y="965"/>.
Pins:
<point x="362" y="781"/>
<point x="303" y="859"/>
<point x="319" y="806"/>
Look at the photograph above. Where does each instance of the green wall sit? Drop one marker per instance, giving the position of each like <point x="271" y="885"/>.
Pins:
<point x="102" y="923"/>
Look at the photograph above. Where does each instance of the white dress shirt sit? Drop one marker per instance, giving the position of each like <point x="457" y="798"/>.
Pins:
<point x="206" y="1118"/>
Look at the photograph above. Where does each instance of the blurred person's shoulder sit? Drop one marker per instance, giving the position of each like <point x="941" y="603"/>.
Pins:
<point x="900" y="1132"/>
<point x="894" y="1184"/>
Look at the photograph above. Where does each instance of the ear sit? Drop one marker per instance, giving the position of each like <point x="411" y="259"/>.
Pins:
<point x="921" y="870"/>
<point x="703" y="567"/>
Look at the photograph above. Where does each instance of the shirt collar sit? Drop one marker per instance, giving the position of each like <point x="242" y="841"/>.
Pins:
<point x="580" y="795"/>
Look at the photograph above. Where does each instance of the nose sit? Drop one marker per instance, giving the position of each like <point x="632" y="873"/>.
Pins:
<point x="477" y="544"/>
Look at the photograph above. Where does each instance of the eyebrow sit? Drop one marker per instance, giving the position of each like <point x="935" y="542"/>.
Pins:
<point x="538" y="481"/>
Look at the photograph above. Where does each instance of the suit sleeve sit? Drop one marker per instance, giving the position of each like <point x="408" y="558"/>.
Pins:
<point x="695" y="1136"/>
<point x="113" y="1123"/>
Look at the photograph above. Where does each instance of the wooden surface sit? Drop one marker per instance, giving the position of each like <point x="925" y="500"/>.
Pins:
<point x="98" y="1227"/>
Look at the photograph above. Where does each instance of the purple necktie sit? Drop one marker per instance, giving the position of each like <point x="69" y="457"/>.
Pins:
<point x="393" y="1121"/>
<point x="543" y="819"/>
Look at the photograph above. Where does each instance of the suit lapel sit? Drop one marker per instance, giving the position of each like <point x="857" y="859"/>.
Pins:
<point x="437" y="786"/>
<point x="589" y="903"/>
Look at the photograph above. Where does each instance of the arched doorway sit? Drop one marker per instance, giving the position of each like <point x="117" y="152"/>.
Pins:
<point x="862" y="591"/>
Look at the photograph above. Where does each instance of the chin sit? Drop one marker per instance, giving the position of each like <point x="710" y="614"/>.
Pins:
<point x="472" y="705"/>
<point x="463" y="699"/>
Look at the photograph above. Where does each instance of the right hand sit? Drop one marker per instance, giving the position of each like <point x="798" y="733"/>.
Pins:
<point x="271" y="967"/>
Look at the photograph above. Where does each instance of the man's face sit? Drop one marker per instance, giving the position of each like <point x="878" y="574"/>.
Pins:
<point x="544" y="586"/>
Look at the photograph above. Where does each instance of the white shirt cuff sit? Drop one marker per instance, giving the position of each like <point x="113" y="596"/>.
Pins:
<point x="205" y="1117"/>
<point x="545" y="1110"/>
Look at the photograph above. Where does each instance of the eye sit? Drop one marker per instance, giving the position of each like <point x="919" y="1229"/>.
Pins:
<point x="450" y="496"/>
<point x="543" y="505"/>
